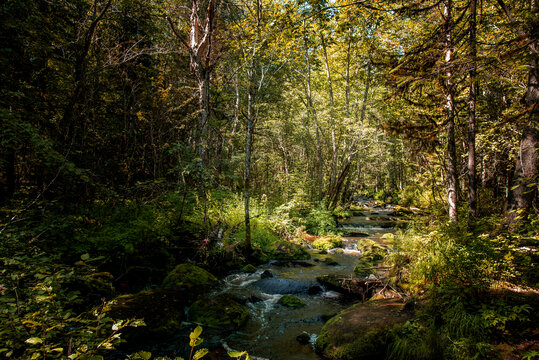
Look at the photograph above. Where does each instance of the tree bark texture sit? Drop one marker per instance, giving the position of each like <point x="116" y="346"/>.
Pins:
<point x="523" y="192"/>
<point x="472" y="177"/>
<point x="452" y="172"/>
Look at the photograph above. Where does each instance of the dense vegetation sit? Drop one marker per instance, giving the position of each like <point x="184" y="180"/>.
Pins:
<point x="136" y="135"/>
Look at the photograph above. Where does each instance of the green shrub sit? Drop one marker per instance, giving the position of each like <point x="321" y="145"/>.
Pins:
<point x="320" y="221"/>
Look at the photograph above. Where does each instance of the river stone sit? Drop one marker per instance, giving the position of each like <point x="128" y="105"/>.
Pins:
<point x="303" y="338"/>
<point x="330" y="262"/>
<point x="291" y="301"/>
<point x="249" y="268"/>
<point x="363" y="331"/>
<point x="221" y="312"/>
<point x="282" y="286"/>
<point x="266" y="274"/>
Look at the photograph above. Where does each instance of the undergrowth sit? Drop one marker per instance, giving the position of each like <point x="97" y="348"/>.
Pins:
<point x="464" y="281"/>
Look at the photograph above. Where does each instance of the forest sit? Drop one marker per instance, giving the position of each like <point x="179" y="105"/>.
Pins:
<point x="269" y="179"/>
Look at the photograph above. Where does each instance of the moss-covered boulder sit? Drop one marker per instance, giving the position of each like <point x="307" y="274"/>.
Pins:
<point x="286" y="250"/>
<point x="291" y="301"/>
<point x="221" y="312"/>
<point x="161" y="309"/>
<point x="189" y="276"/>
<point x="364" y="269"/>
<point x="330" y="262"/>
<point x="371" y="250"/>
<point x="327" y="242"/>
<point x="363" y="331"/>
<point x="248" y="269"/>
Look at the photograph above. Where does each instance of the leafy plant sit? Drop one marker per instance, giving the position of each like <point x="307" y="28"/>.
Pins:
<point x="39" y="306"/>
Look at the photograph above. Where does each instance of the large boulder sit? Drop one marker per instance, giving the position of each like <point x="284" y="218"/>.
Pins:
<point x="371" y="250"/>
<point x="327" y="242"/>
<point x="190" y="279"/>
<point x="221" y="312"/>
<point x="363" y="331"/>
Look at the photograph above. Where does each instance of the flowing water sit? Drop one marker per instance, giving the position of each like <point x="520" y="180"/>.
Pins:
<point x="272" y="329"/>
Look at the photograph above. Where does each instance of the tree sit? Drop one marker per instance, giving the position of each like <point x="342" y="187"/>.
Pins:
<point x="201" y="49"/>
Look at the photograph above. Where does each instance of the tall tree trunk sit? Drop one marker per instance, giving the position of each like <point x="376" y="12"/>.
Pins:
<point x="200" y="48"/>
<point x="347" y="76"/>
<point x="251" y="119"/>
<point x="333" y="178"/>
<point x="67" y="121"/>
<point x="247" y="172"/>
<point x="472" y="177"/>
<point x="523" y="191"/>
<point x="312" y="112"/>
<point x="452" y="174"/>
<point x="366" y="92"/>
<point x="203" y="78"/>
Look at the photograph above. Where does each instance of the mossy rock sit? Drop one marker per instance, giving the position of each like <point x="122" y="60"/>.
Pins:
<point x="221" y="312"/>
<point x="189" y="276"/>
<point x="364" y="269"/>
<point x="248" y="269"/>
<point x="285" y="250"/>
<point x="371" y="250"/>
<point x="291" y="301"/>
<point x="327" y="242"/>
<point x="161" y="309"/>
<point x="330" y="262"/>
<point x="363" y="331"/>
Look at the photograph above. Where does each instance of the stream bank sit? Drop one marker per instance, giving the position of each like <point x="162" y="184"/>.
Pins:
<point x="277" y="310"/>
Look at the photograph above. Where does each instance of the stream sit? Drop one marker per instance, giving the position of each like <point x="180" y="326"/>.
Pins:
<point x="272" y="328"/>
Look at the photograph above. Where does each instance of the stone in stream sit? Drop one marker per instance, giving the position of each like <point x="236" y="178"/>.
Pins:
<point x="291" y="301"/>
<point x="249" y="268"/>
<point x="330" y="262"/>
<point x="303" y="338"/>
<point x="282" y="286"/>
<point x="363" y="331"/>
<point x="350" y="285"/>
<point x="266" y="274"/>
<point x="313" y="290"/>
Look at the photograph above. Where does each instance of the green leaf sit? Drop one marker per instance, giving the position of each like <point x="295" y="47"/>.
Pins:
<point x="195" y="342"/>
<point x="196" y="333"/>
<point x="200" y="354"/>
<point x="85" y="257"/>
<point x="235" y="353"/>
<point x="34" y="340"/>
